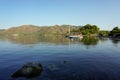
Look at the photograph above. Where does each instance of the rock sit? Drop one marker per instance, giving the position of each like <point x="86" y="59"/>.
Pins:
<point x="52" y="67"/>
<point x="64" y="62"/>
<point x="29" y="70"/>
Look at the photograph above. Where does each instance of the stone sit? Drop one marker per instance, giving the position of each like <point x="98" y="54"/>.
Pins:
<point x="29" y="70"/>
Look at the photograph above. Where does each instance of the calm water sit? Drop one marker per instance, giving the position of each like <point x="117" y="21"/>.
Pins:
<point x="61" y="58"/>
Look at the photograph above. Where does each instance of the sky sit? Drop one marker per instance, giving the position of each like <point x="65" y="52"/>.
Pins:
<point x="103" y="13"/>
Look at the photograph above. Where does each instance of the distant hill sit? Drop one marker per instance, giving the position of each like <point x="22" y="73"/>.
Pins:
<point x="2" y="31"/>
<point x="24" y="29"/>
<point x="32" y="29"/>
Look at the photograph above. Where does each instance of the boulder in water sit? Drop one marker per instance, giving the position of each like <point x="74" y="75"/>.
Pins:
<point x="29" y="70"/>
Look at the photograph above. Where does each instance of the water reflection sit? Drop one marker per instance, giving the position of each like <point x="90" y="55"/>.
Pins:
<point x="90" y="41"/>
<point x="34" y="39"/>
<point x="55" y="39"/>
<point x="59" y="62"/>
<point x="103" y="39"/>
<point x="115" y="41"/>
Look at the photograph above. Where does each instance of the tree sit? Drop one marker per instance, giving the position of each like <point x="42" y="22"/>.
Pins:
<point x="116" y="28"/>
<point x="115" y="31"/>
<point x="89" y="29"/>
<point x="103" y="33"/>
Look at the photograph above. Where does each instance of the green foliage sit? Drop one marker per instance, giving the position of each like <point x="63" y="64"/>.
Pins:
<point x="103" y="33"/>
<point x="115" y="31"/>
<point x="89" y="29"/>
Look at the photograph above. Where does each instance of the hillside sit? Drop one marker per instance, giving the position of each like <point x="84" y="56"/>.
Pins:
<point x="24" y="29"/>
<point x="32" y="29"/>
<point x="2" y="32"/>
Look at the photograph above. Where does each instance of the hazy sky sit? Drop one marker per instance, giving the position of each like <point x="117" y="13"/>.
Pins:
<point x="104" y="13"/>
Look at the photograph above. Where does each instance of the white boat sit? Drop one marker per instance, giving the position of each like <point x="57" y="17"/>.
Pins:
<point x="76" y="36"/>
<point x="80" y="36"/>
<point x="73" y="36"/>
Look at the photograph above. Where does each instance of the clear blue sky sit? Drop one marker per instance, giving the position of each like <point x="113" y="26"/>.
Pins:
<point x="104" y="13"/>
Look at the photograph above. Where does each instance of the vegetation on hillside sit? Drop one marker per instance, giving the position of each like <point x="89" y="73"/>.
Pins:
<point x="39" y="30"/>
<point x="115" y="31"/>
<point x="87" y="29"/>
<point x="104" y="33"/>
<point x="2" y="32"/>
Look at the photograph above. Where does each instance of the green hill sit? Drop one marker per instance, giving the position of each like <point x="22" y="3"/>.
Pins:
<point x="41" y="30"/>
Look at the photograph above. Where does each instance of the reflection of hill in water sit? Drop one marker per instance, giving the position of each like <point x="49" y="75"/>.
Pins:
<point x="2" y="38"/>
<point x="34" y="39"/>
<point x="90" y="41"/>
<point x="54" y="39"/>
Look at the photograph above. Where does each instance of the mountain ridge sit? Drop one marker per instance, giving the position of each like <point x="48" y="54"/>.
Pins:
<point x="28" y="29"/>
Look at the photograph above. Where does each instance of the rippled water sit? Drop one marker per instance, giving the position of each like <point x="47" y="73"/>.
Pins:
<point x="61" y="58"/>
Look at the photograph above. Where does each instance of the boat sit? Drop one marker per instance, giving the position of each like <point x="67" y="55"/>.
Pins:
<point x="80" y="36"/>
<point x="73" y="36"/>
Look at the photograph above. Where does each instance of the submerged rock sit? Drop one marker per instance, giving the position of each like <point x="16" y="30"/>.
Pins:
<point x="52" y="67"/>
<point x="29" y="70"/>
<point x="64" y="61"/>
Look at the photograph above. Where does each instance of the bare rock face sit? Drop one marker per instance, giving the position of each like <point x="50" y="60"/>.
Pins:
<point x="29" y="70"/>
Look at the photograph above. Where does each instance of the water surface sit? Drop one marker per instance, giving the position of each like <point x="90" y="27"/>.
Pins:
<point x="62" y="59"/>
